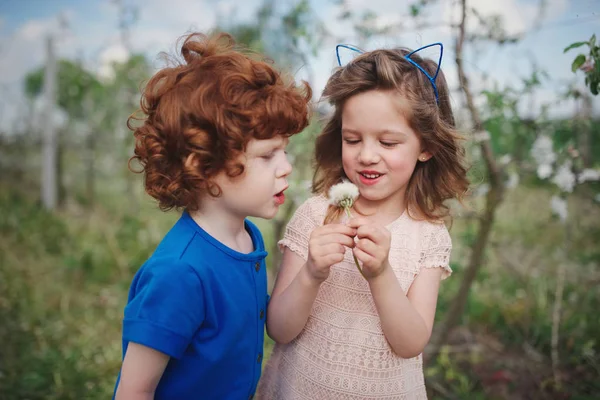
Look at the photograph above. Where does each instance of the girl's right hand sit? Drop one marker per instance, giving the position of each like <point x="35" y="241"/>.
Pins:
<point x="326" y="247"/>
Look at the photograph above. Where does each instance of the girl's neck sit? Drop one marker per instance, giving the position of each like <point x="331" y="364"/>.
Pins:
<point x="383" y="212"/>
<point x="223" y="226"/>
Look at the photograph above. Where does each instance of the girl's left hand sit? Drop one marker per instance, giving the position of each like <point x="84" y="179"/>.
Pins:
<point x="373" y="246"/>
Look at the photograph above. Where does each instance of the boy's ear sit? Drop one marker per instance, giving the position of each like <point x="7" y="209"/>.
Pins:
<point x="191" y="161"/>
<point x="424" y="156"/>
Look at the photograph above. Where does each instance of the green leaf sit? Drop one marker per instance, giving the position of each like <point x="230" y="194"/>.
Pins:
<point x="414" y="10"/>
<point x="574" y="45"/>
<point x="577" y="62"/>
<point x="594" y="87"/>
<point x="593" y="41"/>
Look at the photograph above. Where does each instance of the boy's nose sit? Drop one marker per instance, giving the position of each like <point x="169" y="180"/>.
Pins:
<point x="286" y="168"/>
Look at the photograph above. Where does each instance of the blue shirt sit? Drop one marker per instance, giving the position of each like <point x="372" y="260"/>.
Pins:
<point x="204" y="305"/>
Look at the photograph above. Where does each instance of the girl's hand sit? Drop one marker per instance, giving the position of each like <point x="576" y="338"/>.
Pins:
<point x="372" y="248"/>
<point x="326" y="247"/>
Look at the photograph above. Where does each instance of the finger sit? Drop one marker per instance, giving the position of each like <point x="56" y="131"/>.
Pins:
<point x="337" y="238"/>
<point x="334" y="259"/>
<point x="369" y="247"/>
<point x="375" y="233"/>
<point x="331" y="248"/>
<point x="365" y="258"/>
<point x="335" y="228"/>
<point x="357" y="222"/>
<point x="368" y="231"/>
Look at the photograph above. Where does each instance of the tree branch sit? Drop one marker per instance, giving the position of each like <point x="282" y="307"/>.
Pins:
<point x="493" y="200"/>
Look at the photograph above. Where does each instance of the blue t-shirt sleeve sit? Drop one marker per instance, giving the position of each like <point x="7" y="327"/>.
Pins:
<point x="166" y="310"/>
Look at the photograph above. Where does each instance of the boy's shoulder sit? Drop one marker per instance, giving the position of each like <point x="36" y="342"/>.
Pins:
<point x="176" y="241"/>
<point x="172" y="254"/>
<point x="187" y="244"/>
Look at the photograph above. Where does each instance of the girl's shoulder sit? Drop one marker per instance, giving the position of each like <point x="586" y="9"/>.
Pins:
<point x="419" y="228"/>
<point x="423" y="223"/>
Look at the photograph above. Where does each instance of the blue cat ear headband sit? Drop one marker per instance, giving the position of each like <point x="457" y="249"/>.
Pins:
<point x="407" y="58"/>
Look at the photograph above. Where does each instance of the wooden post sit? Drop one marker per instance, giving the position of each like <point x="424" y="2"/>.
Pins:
<point x="49" y="185"/>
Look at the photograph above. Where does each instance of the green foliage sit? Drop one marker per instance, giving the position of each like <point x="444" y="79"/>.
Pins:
<point x="73" y="86"/>
<point x="589" y="64"/>
<point x="63" y="285"/>
<point x="64" y="277"/>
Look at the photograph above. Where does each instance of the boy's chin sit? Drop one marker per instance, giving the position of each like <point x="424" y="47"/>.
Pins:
<point x="266" y="214"/>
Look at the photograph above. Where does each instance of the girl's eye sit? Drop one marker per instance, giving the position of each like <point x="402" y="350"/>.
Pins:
<point x="351" y="141"/>
<point x="388" y="144"/>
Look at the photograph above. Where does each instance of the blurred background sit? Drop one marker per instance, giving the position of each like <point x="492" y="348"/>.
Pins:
<point x="518" y="319"/>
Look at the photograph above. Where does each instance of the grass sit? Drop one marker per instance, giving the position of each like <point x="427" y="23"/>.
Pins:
<point x="64" y="279"/>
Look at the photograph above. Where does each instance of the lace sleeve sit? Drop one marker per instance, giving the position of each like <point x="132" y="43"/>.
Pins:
<point x="436" y="249"/>
<point x="298" y="230"/>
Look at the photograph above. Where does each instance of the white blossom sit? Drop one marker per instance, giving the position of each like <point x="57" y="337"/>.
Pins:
<point x="559" y="207"/>
<point x="544" y="171"/>
<point x="343" y="194"/>
<point x="481" y="136"/>
<point x="513" y="181"/>
<point x="505" y="159"/>
<point x="542" y="151"/>
<point x="565" y="178"/>
<point x="481" y="190"/>
<point x="588" y="65"/>
<point x="589" y="175"/>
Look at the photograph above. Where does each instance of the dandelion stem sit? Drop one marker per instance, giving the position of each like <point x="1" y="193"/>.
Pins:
<point x="347" y="209"/>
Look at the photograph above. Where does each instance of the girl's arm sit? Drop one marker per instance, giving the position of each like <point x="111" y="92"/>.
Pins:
<point x="298" y="281"/>
<point x="406" y="319"/>
<point x="292" y="299"/>
<point x="141" y="372"/>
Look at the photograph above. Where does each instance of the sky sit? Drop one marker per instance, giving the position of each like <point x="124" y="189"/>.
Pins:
<point x="89" y="31"/>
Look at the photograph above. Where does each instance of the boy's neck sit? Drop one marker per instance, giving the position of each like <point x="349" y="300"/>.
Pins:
<point x="225" y="227"/>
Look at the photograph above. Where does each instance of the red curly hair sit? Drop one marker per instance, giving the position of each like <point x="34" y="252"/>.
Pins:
<point x="200" y="114"/>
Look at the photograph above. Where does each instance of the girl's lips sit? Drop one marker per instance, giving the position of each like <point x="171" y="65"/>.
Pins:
<point x="369" y="177"/>
<point x="369" y="181"/>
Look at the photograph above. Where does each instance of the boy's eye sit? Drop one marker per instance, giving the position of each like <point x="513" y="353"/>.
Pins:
<point x="268" y="156"/>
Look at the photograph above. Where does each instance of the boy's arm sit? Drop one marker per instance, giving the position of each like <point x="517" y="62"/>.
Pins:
<point x="141" y="372"/>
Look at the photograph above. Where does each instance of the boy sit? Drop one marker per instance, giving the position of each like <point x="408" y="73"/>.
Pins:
<point x="212" y="143"/>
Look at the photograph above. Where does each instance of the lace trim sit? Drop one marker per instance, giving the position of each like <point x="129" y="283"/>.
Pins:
<point x="437" y="249"/>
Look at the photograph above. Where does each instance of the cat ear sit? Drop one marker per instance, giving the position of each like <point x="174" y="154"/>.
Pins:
<point x="437" y="71"/>
<point x="346" y="53"/>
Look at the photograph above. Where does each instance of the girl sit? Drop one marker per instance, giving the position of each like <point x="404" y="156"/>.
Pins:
<point x="341" y="335"/>
<point x="215" y="128"/>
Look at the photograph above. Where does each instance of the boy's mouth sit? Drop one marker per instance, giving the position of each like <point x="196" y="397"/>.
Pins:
<point x="280" y="197"/>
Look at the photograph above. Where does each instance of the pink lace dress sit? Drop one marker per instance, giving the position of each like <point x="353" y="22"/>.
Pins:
<point x="342" y="352"/>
